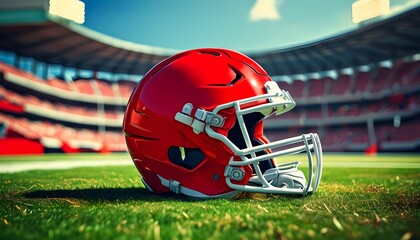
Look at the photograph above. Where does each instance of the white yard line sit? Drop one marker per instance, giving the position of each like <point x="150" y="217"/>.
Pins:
<point x="12" y="167"/>
<point x="396" y="164"/>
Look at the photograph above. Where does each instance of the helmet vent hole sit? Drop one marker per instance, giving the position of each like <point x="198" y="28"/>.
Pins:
<point x="188" y="158"/>
<point x="211" y="53"/>
<point x="238" y="76"/>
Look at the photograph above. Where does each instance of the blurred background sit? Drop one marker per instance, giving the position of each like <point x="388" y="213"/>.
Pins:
<point x="68" y="67"/>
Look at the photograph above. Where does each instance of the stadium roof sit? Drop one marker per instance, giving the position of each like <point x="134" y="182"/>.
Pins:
<point x="35" y="33"/>
<point x="28" y="30"/>
<point x="391" y="38"/>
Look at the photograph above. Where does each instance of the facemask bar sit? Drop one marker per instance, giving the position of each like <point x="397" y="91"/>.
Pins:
<point x="310" y="143"/>
<point x="279" y="101"/>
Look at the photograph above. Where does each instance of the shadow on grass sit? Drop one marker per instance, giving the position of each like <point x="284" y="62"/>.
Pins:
<point x="140" y="194"/>
<point x="106" y="194"/>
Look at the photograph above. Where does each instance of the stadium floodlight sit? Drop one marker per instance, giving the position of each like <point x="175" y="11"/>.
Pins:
<point x="363" y="10"/>
<point x="70" y="9"/>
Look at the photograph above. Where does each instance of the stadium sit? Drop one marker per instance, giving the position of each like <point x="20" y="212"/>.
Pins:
<point x="64" y="91"/>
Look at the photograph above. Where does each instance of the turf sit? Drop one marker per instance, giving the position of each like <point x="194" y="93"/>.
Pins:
<point x="111" y="203"/>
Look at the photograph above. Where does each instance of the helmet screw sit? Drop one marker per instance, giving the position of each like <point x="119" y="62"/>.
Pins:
<point x="215" y="177"/>
<point x="237" y="174"/>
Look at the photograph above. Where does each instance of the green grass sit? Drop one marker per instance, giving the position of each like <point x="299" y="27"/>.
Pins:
<point x="111" y="203"/>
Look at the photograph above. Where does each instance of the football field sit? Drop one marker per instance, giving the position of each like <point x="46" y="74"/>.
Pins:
<point x="93" y="196"/>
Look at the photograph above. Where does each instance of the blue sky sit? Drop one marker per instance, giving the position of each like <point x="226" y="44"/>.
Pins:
<point x="243" y="25"/>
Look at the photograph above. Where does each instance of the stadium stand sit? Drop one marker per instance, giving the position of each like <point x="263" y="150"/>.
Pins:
<point x="380" y="94"/>
<point x="370" y="100"/>
<point x="84" y="86"/>
<point x="33" y="105"/>
<point x="361" y="82"/>
<point x="317" y="88"/>
<point x="341" y="86"/>
<point x="44" y="122"/>
<point x="125" y="88"/>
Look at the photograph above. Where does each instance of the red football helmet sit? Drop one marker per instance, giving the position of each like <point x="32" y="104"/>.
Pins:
<point x="194" y="125"/>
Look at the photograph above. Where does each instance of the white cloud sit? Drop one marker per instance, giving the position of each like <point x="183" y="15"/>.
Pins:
<point x="265" y="10"/>
<point x="402" y="7"/>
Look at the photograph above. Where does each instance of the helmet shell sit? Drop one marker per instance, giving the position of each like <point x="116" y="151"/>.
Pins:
<point x="205" y="78"/>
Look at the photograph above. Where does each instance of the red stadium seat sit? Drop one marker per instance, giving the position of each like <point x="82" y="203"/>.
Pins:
<point x="126" y="88"/>
<point x="341" y="85"/>
<point x="297" y="88"/>
<point x="316" y="87"/>
<point x="84" y="86"/>
<point x="362" y="80"/>
<point x="105" y="88"/>
<point x="382" y="79"/>
<point x="54" y="82"/>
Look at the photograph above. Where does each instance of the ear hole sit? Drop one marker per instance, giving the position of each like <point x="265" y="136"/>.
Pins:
<point x="188" y="158"/>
